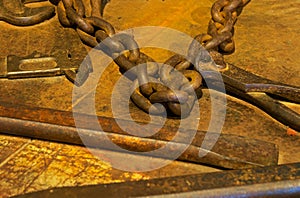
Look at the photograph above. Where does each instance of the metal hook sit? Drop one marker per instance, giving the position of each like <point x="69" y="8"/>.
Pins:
<point x="24" y="16"/>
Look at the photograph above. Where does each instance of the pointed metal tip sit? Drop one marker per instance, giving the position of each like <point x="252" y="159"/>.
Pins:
<point x="103" y="4"/>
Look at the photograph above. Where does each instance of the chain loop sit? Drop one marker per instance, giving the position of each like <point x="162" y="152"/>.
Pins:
<point x="144" y="103"/>
<point x="172" y="84"/>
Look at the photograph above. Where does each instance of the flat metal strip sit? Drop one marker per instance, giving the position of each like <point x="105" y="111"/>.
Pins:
<point x="247" y="179"/>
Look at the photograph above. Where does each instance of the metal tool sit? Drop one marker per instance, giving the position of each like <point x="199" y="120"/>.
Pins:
<point x="261" y="92"/>
<point x="218" y="41"/>
<point x="16" y="13"/>
<point x="61" y="61"/>
<point x="103" y="4"/>
<point x="34" y="65"/>
<point x="38" y="65"/>
<point x="230" y="151"/>
<point x="255" y="90"/>
<point x="63" y="56"/>
<point x="274" y="181"/>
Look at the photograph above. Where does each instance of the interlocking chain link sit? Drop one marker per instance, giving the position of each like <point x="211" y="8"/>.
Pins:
<point x="153" y="83"/>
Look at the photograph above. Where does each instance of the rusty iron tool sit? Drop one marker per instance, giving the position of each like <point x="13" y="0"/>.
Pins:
<point x="261" y="92"/>
<point x="103" y="4"/>
<point x="274" y="181"/>
<point x="64" y="56"/>
<point x="93" y="29"/>
<point x="34" y="65"/>
<point x="230" y="151"/>
<point x="16" y="13"/>
<point x="39" y="65"/>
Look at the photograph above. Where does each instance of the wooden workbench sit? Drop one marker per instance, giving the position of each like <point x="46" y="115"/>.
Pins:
<point x="267" y="44"/>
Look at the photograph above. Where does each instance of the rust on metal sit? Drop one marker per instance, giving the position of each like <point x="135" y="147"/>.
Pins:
<point x="271" y="181"/>
<point x="15" y="12"/>
<point x="230" y="151"/>
<point x="261" y="92"/>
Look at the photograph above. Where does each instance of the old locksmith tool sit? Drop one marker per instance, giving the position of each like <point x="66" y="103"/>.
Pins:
<point x="230" y="151"/>
<point x="273" y="181"/>
<point x="38" y="65"/>
<point x="65" y="55"/>
<point x="16" y="13"/>
<point x="218" y="41"/>
<point x="261" y="92"/>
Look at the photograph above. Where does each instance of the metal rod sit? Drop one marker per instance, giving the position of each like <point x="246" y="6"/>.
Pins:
<point x="230" y="151"/>
<point x="273" y="181"/>
<point x="289" y="188"/>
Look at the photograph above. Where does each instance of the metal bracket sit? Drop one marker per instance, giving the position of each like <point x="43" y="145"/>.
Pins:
<point x="34" y="65"/>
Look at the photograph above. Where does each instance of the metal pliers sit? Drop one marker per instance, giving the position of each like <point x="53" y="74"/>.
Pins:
<point x="261" y="92"/>
<point x="16" y="13"/>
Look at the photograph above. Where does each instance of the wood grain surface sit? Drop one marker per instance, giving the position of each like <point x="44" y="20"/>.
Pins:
<point x="267" y="44"/>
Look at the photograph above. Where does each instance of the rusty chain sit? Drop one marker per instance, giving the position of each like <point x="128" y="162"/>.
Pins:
<point x="155" y="84"/>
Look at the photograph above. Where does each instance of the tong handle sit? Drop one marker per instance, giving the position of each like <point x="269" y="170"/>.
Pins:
<point x="258" y="91"/>
<point x="284" y="92"/>
<point x="271" y="106"/>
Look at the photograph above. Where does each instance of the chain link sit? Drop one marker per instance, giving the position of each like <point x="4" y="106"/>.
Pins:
<point x="154" y="87"/>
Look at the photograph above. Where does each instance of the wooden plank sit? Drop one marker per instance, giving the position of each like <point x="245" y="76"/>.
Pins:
<point x="42" y="165"/>
<point x="10" y="145"/>
<point x="267" y="43"/>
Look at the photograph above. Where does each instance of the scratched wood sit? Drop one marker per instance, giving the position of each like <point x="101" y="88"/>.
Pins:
<point x="41" y="165"/>
<point x="266" y="44"/>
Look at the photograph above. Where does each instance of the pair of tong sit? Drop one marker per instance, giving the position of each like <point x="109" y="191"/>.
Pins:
<point x="261" y="92"/>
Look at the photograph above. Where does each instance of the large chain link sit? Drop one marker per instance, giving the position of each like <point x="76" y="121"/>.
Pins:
<point x="153" y="83"/>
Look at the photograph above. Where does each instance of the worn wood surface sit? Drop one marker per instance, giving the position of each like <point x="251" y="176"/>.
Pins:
<point x="266" y="44"/>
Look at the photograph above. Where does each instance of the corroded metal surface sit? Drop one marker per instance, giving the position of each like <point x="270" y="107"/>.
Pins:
<point x="38" y="165"/>
<point x="16" y="13"/>
<point x="273" y="55"/>
<point x="261" y="92"/>
<point x="190" y="183"/>
<point x="229" y="151"/>
<point x="59" y="54"/>
<point x="93" y="29"/>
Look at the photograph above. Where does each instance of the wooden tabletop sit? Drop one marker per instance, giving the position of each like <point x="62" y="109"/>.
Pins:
<point x="267" y="44"/>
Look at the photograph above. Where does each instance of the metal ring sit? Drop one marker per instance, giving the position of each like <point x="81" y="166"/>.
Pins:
<point x="101" y="24"/>
<point x="143" y="103"/>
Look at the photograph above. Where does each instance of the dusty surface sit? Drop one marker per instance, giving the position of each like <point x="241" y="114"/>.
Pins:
<point x="266" y="44"/>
